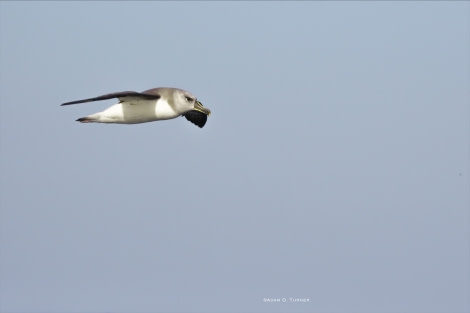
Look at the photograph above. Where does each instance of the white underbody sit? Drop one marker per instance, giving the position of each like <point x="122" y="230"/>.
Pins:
<point x="135" y="111"/>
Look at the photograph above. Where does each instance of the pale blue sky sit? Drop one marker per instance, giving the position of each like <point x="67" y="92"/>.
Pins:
<point x="334" y="166"/>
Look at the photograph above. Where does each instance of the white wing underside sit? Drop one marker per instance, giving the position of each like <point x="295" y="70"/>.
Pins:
<point x="132" y="110"/>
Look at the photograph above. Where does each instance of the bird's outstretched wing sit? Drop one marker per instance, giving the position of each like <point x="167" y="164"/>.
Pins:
<point x="196" y="117"/>
<point x="149" y="95"/>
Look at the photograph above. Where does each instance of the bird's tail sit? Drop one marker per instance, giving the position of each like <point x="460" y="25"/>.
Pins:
<point x="86" y="119"/>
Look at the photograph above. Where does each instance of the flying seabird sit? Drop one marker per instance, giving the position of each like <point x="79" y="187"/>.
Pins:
<point x="148" y="106"/>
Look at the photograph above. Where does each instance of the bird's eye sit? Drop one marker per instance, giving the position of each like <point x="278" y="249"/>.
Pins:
<point x="189" y="99"/>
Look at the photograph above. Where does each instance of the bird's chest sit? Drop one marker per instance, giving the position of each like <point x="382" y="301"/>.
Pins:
<point x="148" y="110"/>
<point x="165" y="110"/>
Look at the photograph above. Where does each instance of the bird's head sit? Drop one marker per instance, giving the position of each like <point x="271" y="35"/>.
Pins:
<point x="191" y="101"/>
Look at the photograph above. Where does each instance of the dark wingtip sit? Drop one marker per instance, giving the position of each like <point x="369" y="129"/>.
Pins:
<point x="68" y="103"/>
<point x="75" y="102"/>
<point x="196" y="118"/>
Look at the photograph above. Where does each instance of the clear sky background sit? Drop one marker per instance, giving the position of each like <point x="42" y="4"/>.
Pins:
<point x="334" y="166"/>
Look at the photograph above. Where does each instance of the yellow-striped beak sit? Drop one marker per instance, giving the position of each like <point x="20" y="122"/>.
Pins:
<point x="199" y="107"/>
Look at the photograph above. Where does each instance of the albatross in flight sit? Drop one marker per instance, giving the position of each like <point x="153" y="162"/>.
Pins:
<point x="148" y="106"/>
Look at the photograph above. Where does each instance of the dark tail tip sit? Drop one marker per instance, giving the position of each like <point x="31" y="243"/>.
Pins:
<point x="84" y="120"/>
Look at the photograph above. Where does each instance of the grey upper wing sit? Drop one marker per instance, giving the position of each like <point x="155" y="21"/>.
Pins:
<point x="121" y="94"/>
